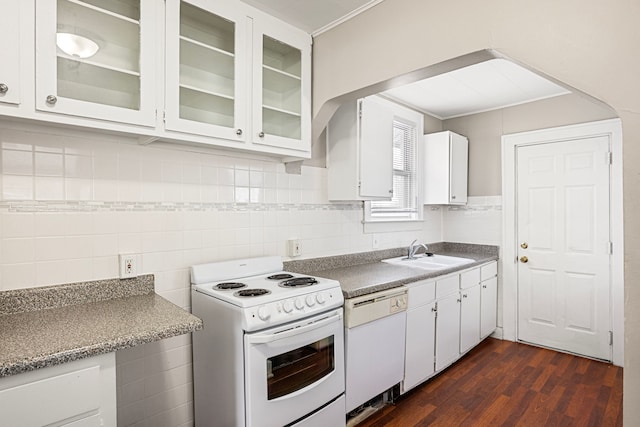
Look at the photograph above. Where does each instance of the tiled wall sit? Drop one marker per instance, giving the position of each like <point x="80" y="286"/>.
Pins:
<point x="71" y="202"/>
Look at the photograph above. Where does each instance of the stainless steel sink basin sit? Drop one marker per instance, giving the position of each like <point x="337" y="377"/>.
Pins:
<point x="435" y="262"/>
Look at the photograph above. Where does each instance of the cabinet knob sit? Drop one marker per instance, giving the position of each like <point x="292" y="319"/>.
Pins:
<point x="464" y="295"/>
<point x="391" y="191"/>
<point x="453" y="197"/>
<point x="524" y="259"/>
<point x="524" y="245"/>
<point x="3" y="88"/>
<point x="239" y="132"/>
<point x="261" y="134"/>
<point x="52" y="99"/>
<point x="484" y="286"/>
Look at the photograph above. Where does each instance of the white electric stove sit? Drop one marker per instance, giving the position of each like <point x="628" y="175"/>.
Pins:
<point x="272" y="349"/>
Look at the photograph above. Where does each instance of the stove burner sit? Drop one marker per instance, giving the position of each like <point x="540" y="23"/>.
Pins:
<point x="251" y="292"/>
<point x="230" y="285"/>
<point x="298" y="282"/>
<point x="280" y="276"/>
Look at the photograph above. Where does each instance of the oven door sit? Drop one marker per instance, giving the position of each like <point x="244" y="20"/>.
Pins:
<point x="293" y="370"/>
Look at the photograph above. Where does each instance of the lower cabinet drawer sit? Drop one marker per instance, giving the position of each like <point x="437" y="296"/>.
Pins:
<point x="488" y="271"/>
<point x="447" y="285"/>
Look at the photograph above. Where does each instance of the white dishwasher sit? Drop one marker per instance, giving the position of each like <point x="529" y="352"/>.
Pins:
<point x="374" y="344"/>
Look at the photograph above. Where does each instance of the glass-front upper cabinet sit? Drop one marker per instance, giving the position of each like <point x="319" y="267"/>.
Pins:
<point x="282" y="87"/>
<point x="206" y="69"/>
<point x="10" y="42"/>
<point x="95" y="58"/>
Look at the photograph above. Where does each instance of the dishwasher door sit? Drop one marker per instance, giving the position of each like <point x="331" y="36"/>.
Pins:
<point x="374" y="358"/>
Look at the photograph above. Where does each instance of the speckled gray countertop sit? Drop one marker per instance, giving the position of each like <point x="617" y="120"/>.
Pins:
<point x="363" y="273"/>
<point x="47" y="326"/>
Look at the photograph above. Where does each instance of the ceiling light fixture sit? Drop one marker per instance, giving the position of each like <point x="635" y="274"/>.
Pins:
<point x="75" y="45"/>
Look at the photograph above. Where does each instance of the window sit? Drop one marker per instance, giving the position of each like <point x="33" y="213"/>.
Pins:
<point x="405" y="205"/>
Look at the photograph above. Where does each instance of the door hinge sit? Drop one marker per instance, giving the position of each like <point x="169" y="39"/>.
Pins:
<point x="164" y="117"/>
<point x="610" y="248"/>
<point x="360" y="109"/>
<point x="435" y="310"/>
<point x="610" y="337"/>
<point x="609" y="157"/>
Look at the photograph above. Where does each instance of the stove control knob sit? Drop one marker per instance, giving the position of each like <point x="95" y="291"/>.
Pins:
<point x="264" y="313"/>
<point x="320" y="298"/>
<point x="299" y="303"/>
<point x="310" y="301"/>
<point x="287" y="306"/>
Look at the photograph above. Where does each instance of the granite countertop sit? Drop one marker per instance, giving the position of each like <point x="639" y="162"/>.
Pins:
<point x="362" y="274"/>
<point x="47" y="326"/>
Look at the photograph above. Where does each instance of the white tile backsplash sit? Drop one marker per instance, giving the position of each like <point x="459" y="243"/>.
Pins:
<point x="67" y="216"/>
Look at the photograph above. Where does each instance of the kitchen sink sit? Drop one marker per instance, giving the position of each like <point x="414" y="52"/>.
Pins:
<point x="434" y="262"/>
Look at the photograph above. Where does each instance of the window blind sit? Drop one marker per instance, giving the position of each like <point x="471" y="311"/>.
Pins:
<point x="403" y="203"/>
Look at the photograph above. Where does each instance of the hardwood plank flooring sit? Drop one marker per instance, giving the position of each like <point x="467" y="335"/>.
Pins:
<point x="502" y="383"/>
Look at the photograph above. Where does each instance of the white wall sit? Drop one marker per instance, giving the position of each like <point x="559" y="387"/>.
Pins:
<point x="586" y="44"/>
<point x="71" y="202"/>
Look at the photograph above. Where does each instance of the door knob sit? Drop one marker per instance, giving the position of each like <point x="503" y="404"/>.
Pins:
<point x="524" y="245"/>
<point x="524" y="259"/>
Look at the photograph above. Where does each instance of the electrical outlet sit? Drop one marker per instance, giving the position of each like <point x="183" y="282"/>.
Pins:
<point x="293" y="247"/>
<point x="128" y="266"/>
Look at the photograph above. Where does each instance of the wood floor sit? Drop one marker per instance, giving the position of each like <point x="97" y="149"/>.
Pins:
<point x="502" y="383"/>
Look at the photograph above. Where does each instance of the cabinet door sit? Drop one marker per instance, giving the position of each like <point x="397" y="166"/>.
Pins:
<point x="458" y="169"/>
<point x="420" y="345"/>
<point x="11" y="43"/>
<point x="469" y="318"/>
<point x="376" y="150"/>
<point x="206" y="68"/>
<point x="78" y="393"/>
<point x="281" y="86"/>
<point x="447" y="331"/>
<point x="114" y="82"/>
<point x="488" y="306"/>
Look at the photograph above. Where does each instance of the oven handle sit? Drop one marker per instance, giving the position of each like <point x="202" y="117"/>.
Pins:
<point x="297" y="330"/>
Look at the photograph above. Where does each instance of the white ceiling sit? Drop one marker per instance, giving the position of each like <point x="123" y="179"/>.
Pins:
<point x="489" y="85"/>
<point x="312" y="16"/>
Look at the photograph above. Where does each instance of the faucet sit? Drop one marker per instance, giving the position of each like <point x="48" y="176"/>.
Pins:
<point x="413" y="248"/>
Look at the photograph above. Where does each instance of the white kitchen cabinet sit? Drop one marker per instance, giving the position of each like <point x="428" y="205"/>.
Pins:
<point x="79" y="393"/>
<point x="488" y="299"/>
<point x="469" y="309"/>
<point x="447" y="330"/>
<point x="469" y="318"/>
<point x="237" y="74"/>
<point x="420" y="334"/>
<point x="206" y="69"/>
<point x="445" y="168"/>
<point x="116" y="83"/>
<point x="446" y="318"/>
<point x="360" y="151"/>
<point x="281" y="86"/>
<point x="11" y="44"/>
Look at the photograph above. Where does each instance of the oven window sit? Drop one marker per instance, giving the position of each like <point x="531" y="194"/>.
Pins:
<point x="296" y="369"/>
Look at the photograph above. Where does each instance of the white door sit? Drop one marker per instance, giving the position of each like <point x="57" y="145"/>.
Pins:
<point x="563" y="237"/>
